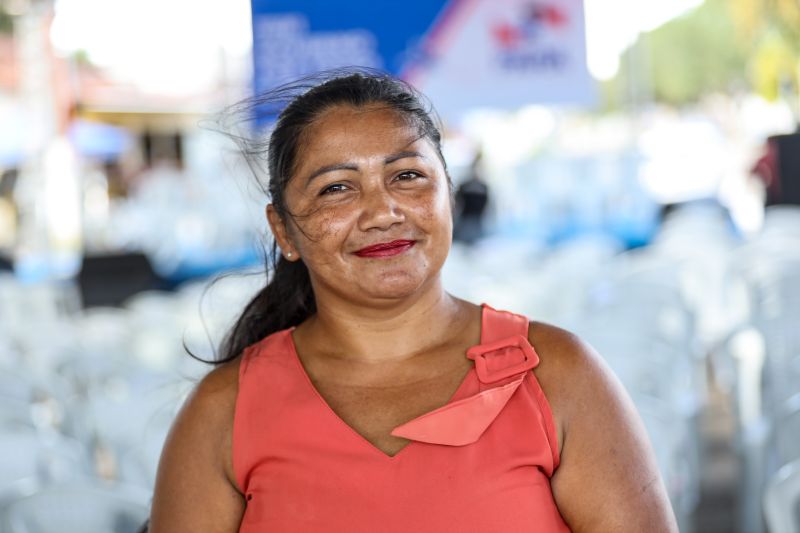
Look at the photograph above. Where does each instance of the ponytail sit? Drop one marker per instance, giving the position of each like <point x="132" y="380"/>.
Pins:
<point x="286" y="301"/>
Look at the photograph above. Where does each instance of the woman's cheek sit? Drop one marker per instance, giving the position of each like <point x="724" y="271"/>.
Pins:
<point x="433" y="206"/>
<point x="325" y="230"/>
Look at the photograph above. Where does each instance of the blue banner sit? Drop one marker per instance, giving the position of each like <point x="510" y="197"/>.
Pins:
<point x="292" y="38"/>
<point x="461" y="53"/>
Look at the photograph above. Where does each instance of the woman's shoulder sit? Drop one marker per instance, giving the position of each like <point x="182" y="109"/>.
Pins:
<point x="570" y="372"/>
<point x="569" y="368"/>
<point x="212" y="400"/>
<point x="601" y="439"/>
<point x="219" y="384"/>
<point x="210" y="407"/>
<point x="562" y="351"/>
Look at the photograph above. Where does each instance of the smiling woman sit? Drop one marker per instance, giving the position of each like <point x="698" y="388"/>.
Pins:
<point x="354" y="394"/>
<point x="368" y="189"/>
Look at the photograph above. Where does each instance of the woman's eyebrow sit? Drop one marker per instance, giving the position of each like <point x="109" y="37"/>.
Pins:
<point x="350" y="166"/>
<point x="402" y="155"/>
<point x="330" y="168"/>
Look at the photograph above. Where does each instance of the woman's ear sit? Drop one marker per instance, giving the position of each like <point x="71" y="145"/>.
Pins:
<point x="281" y="234"/>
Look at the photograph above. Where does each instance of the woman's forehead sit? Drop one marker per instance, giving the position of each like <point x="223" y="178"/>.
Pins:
<point x="349" y="127"/>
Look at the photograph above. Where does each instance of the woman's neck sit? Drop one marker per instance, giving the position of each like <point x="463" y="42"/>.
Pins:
<point x="390" y="332"/>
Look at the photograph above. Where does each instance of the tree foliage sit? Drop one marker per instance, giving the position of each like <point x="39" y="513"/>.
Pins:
<point x="688" y="57"/>
<point x="6" y="22"/>
<point x="756" y="19"/>
<point x="773" y="29"/>
<point x="721" y="45"/>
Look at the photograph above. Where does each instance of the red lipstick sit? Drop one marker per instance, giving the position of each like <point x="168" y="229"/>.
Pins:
<point x="385" y="249"/>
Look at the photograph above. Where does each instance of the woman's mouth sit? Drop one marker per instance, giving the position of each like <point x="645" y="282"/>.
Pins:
<point x="385" y="249"/>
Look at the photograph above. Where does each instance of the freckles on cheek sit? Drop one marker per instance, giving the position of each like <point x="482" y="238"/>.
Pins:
<point x="322" y="226"/>
<point x="431" y="209"/>
<point x="327" y="227"/>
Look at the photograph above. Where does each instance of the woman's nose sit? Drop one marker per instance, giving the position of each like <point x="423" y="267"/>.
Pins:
<point x="379" y="210"/>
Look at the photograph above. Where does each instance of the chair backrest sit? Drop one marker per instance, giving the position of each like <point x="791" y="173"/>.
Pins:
<point x="786" y="430"/>
<point x="26" y="453"/>
<point x="81" y="507"/>
<point x="782" y="500"/>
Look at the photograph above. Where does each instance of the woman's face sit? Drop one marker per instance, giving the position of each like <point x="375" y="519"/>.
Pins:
<point x="363" y="177"/>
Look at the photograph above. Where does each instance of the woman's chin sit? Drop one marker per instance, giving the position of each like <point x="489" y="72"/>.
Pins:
<point x="392" y="286"/>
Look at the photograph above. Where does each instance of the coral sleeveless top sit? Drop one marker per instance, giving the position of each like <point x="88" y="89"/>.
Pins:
<point x="481" y="463"/>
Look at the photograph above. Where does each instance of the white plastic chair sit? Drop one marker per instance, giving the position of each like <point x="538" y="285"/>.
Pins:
<point x="26" y="453"/>
<point x="31" y="401"/>
<point x="786" y="431"/>
<point x="84" y="507"/>
<point x="782" y="500"/>
<point x="782" y="219"/>
<point x="676" y="454"/>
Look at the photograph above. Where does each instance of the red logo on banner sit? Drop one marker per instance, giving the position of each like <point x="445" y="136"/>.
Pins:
<point x="534" y="19"/>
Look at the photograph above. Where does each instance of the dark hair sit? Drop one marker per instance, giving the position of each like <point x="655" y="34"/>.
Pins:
<point x="288" y="299"/>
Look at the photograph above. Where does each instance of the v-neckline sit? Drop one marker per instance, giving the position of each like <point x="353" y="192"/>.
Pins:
<point x="361" y="438"/>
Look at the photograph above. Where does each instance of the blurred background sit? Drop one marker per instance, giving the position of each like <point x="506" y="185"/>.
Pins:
<point x="627" y="170"/>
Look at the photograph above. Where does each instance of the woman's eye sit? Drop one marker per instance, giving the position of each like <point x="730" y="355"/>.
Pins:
<point x="408" y="175"/>
<point x="336" y="187"/>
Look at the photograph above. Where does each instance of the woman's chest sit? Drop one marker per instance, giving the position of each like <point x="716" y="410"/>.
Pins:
<point x="373" y="411"/>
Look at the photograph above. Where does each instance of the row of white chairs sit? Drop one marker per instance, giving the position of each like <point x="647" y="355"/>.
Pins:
<point x="758" y="360"/>
<point x="87" y="398"/>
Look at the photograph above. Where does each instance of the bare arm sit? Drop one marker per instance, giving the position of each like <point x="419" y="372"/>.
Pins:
<point x="608" y="479"/>
<point x="195" y="486"/>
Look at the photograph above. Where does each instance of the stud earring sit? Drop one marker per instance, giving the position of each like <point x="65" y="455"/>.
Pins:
<point x="288" y="254"/>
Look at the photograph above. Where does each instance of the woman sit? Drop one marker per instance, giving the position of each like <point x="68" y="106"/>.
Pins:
<point x="355" y="394"/>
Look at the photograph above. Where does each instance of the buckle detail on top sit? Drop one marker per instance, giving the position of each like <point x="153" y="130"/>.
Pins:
<point x="526" y="360"/>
